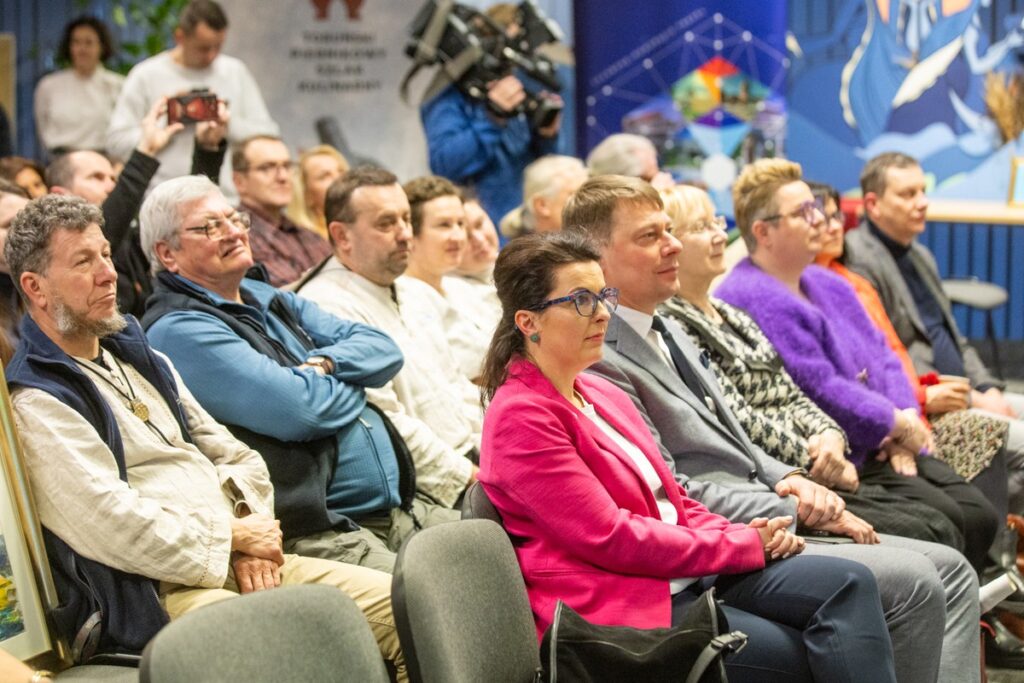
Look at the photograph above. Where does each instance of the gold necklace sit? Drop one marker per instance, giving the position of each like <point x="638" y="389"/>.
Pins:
<point x="132" y="402"/>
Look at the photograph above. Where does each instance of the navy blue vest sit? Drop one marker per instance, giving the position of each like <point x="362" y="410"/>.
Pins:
<point x="101" y="609"/>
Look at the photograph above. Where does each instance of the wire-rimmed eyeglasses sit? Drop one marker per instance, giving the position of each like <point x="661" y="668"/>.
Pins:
<point x="218" y="228"/>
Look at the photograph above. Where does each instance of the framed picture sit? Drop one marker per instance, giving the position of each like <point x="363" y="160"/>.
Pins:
<point x="26" y="586"/>
<point x="1017" y="181"/>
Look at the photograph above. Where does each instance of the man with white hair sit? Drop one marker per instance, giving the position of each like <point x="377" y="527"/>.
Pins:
<point x="629" y="155"/>
<point x="547" y="184"/>
<point x="297" y="375"/>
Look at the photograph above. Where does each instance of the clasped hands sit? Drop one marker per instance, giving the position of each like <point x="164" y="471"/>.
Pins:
<point x="256" y="552"/>
<point x="777" y="541"/>
<point x="823" y="510"/>
<point x="908" y="438"/>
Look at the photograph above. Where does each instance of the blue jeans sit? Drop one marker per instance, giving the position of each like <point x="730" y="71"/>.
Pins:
<point x="808" y="619"/>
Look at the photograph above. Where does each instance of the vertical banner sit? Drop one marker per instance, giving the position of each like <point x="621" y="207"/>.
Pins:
<point x="339" y="58"/>
<point x="704" y="80"/>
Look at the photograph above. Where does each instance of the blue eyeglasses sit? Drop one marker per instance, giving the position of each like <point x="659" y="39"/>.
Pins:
<point x="586" y="301"/>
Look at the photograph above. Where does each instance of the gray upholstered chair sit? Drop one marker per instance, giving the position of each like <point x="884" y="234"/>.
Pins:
<point x="981" y="296"/>
<point x="99" y="673"/>
<point x="292" y="633"/>
<point x="461" y="608"/>
<point x="476" y="504"/>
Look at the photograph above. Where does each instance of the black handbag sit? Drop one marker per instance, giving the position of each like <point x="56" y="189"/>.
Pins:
<point x="575" y="651"/>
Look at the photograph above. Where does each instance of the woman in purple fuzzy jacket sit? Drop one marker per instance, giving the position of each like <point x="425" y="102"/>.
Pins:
<point x="834" y="353"/>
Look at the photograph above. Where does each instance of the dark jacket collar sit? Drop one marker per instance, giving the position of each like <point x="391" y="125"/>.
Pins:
<point x="895" y="248"/>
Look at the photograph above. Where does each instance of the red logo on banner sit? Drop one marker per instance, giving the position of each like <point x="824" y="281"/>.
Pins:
<point x="323" y="8"/>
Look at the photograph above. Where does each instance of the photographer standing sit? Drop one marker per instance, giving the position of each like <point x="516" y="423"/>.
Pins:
<point x="194" y="63"/>
<point x="472" y="144"/>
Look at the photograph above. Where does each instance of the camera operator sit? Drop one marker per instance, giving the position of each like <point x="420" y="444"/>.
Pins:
<point x="472" y="144"/>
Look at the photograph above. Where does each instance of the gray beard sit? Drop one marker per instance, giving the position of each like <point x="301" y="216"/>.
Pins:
<point x="71" y="324"/>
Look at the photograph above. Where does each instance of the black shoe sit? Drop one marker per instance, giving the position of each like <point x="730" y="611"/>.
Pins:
<point x="1004" y="650"/>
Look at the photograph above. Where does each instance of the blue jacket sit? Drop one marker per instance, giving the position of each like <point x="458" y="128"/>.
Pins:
<point x="468" y="147"/>
<point x="101" y="609"/>
<point x="265" y="394"/>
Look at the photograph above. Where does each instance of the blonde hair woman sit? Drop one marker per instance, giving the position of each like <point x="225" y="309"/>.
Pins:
<point x="318" y="167"/>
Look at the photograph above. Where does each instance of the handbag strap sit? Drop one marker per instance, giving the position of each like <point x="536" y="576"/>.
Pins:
<point x="727" y="642"/>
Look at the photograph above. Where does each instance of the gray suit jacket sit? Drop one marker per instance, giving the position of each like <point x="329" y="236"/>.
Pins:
<point x="719" y="466"/>
<point x="869" y="257"/>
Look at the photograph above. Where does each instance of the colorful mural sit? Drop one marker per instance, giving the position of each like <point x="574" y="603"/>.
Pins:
<point x="12" y="622"/>
<point x="703" y="81"/>
<point x="906" y="75"/>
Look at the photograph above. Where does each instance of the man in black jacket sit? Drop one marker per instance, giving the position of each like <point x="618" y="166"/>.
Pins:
<point x="90" y="175"/>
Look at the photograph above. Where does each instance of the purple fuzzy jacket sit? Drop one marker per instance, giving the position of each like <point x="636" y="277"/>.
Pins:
<point x="830" y="347"/>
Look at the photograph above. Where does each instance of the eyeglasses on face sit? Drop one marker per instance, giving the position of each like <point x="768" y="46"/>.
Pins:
<point x="586" y="301"/>
<point x="272" y="168"/>
<point x="717" y="223"/>
<point x="806" y="211"/>
<point x="218" y="228"/>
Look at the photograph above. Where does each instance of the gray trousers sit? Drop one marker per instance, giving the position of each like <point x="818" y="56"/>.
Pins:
<point x="377" y="540"/>
<point x="930" y="599"/>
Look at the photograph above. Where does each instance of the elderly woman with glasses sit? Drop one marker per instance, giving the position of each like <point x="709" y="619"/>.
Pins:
<point x="596" y="517"/>
<point x="835" y="354"/>
<point x="774" y="412"/>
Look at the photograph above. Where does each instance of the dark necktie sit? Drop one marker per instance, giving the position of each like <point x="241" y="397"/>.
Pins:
<point x="683" y="367"/>
<point x="689" y="376"/>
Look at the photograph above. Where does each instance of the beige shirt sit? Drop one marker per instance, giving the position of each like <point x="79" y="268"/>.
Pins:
<point x="172" y="520"/>
<point x="469" y="334"/>
<point x="74" y="112"/>
<point x="435" y="409"/>
<point x="477" y="298"/>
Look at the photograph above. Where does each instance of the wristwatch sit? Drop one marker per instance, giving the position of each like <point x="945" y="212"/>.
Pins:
<point x="322" y="362"/>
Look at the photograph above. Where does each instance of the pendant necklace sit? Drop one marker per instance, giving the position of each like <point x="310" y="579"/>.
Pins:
<point x="132" y="402"/>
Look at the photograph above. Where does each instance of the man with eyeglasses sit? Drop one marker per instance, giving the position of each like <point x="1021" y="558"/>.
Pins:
<point x="433" y="405"/>
<point x="263" y="170"/>
<point x="923" y="586"/>
<point x="286" y="377"/>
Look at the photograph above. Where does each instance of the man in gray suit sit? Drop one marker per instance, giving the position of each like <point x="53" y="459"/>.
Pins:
<point x="884" y="249"/>
<point x="922" y="585"/>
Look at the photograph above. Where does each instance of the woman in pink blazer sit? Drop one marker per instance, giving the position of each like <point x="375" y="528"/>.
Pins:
<point x="596" y="517"/>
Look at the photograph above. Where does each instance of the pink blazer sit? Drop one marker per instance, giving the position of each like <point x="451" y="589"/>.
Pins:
<point x="584" y="523"/>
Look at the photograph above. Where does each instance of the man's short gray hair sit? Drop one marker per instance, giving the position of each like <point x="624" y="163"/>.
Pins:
<point x="61" y="171"/>
<point x="546" y="176"/>
<point x="618" y="154"/>
<point x="161" y="213"/>
<point x="28" y="241"/>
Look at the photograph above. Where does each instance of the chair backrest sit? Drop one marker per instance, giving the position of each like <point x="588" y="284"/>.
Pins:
<point x="292" y="633"/>
<point x="461" y="608"/>
<point x="476" y="505"/>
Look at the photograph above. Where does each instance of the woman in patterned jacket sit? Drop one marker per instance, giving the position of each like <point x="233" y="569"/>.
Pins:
<point x="773" y="410"/>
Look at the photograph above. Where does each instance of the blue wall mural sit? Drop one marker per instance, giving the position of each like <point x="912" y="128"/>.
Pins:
<point x="909" y="75"/>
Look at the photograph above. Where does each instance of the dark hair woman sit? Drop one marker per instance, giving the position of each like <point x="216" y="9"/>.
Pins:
<point x="598" y="520"/>
<point x="73" y="105"/>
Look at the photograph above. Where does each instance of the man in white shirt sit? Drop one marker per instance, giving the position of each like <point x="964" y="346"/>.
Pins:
<point x="137" y="487"/>
<point x="194" y="63"/>
<point x="436" y="410"/>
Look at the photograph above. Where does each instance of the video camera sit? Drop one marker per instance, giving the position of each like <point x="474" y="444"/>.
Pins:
<point x="473" y="50"/>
